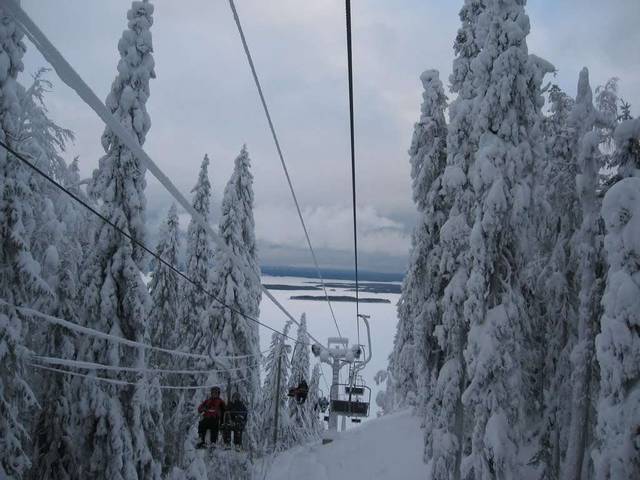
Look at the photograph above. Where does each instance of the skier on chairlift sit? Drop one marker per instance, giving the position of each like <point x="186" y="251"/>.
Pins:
<point x="322" y="404"/>
<point x="212" y="410"/>
<point x="300" y="392"/>
<point x="235" y="419"/>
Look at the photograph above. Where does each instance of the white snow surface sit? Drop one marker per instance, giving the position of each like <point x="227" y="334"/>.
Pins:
<point x="387" y="447"/>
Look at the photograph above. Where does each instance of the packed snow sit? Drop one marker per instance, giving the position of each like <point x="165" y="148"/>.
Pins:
<point x="387" y="447"/>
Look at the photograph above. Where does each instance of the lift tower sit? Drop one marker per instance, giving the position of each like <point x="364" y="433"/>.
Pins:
<point x="348" y="399"/>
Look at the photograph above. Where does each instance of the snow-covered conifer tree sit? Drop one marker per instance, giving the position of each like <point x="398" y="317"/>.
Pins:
<point x="587" y="243"/>
<point x="55" y="437"/>
<point x="300" y="363"/>
<point x="163" y="316"/>
<point x="123" y="428"/>
<point x="414" y="361"/>
<point x="553" y="307"/>
<point x="313" y="424"/>
<point x="199" y="258"/>
<point x="193" y="309"/>
<point x="236" y="281"/>
<point x="617" y="453"/>
<point x="20" y="280"/>
<point x="164" y="328"/>
<point x="40" y="136"/>
<point x="606" y="102"/>
<point x="507" y="123"/>
<point x="447" y="439"/>
<point x="272" y="398"/>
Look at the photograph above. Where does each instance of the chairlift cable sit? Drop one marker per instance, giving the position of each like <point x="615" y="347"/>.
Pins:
<point x="281" y="156"/>
<point x="353" y="156"/>
<point x="29" y="312"/>
<point x="136" y="241"/>
<point x="115" y="381"/>
<point x="99" y="366"/>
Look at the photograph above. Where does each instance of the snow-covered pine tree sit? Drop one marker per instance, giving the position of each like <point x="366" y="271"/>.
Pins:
<point x="55" y="437"/>
<point x="40" y="136"/>
<point x="587" y="244"/>
<point x="448" y="420"/>
<point x="617" y="454"/>
<point x="606" y="102"/>
<point x="199" y="261"/>
<point x="163" y="287"/>
<point x="274" y="399"/>
<point x="314" y="426"/>
<point x="300" y="363"/>
<point x="58" y="241"/>
<point x="20" y="279"/>
<point x="193" y="312"/>
<point x="553" y="278"/>
<point x="123" y="434"/>
<point x="507" y="123"/>
<point x="415" y="358"/>
<point x="164" y="328"/>
<point x="43" y="141"/>
<point x="236" y="282"/>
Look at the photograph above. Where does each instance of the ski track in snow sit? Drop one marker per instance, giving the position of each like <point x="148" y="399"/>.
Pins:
<point x="387" y="447"/>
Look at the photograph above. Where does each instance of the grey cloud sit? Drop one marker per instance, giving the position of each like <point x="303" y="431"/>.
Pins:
<point x="204" y="101"/>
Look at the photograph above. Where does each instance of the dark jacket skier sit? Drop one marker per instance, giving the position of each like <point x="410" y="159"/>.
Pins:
<point x="300" y="392"/>
<point x="235" y="420"/>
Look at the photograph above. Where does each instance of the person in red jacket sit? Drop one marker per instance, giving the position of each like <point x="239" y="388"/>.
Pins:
<point x="212" y="410"/>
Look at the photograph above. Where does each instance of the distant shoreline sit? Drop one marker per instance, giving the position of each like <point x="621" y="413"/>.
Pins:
<point x="333" y="274"/>
<point x="339" y="298"/>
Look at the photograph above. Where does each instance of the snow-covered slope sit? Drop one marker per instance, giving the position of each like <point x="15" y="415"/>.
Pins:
<point x="387" y="447"/>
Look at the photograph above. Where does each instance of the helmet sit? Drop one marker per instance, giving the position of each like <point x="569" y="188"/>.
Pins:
<point x="215" y="390"/>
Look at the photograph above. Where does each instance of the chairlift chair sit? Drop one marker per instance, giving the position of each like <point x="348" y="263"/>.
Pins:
<point x="353" y="400"/>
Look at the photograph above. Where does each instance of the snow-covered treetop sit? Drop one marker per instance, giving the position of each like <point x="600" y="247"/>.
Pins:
<point x="607" y="102"/>
<point x="130" y="89"/>
<point x="169" y="241"/>
<point x="237" y="226"/>
<point x="503" y="70"/>
<point x="119" y="181"/>
<point x="467" y="45"/>
<point x="583" y="114"/>
<point x="428" y="145"/>
<point x="202" y="191"/>
<point x="41" y="137"/>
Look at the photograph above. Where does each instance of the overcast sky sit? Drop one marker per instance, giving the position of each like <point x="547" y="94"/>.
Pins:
<point x="204" y="100"/>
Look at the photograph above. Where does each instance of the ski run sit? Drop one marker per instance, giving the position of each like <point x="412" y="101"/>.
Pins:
<point x="134" y="355"/>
